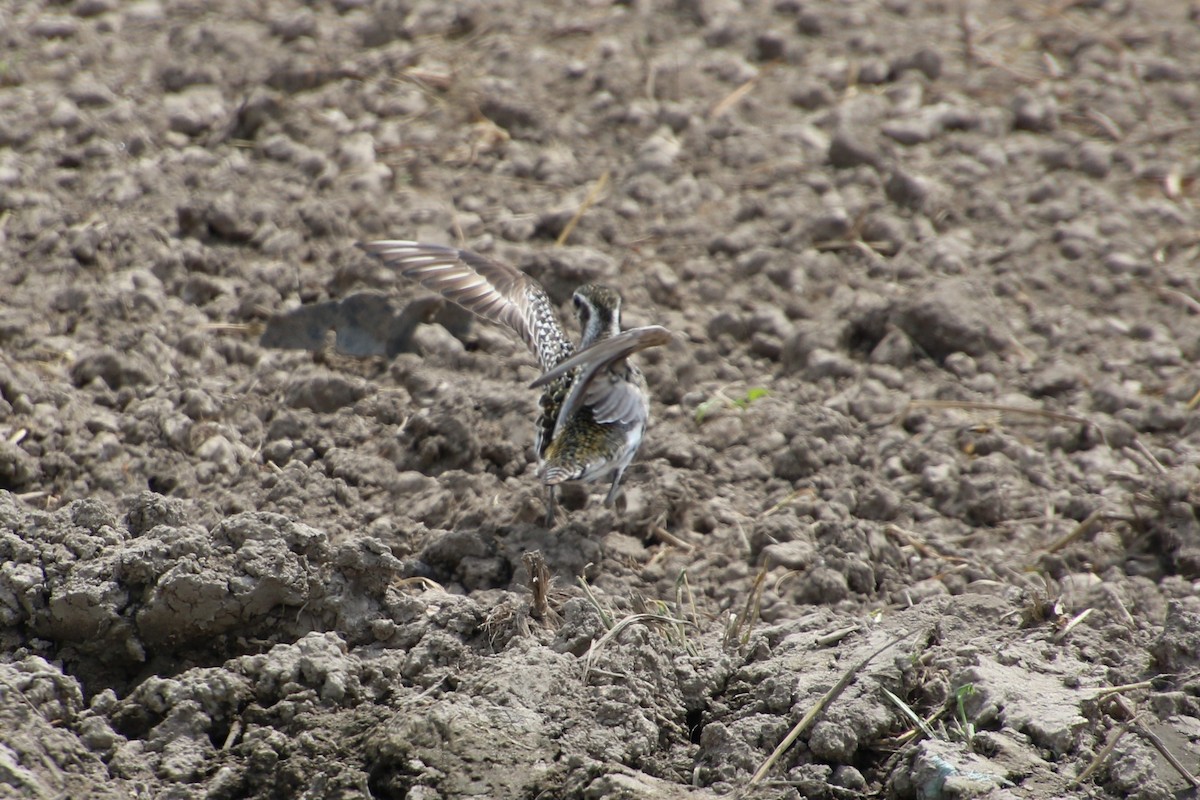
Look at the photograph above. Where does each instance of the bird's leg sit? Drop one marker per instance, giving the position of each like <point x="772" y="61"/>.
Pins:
<point x="616" y="485"/>
<point x="551" y="502"/>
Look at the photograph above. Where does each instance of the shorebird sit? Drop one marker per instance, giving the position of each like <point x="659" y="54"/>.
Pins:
<point x="594" y="403"/>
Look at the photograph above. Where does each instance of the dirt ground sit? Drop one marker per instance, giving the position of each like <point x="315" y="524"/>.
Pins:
<point x="925" y="447"/>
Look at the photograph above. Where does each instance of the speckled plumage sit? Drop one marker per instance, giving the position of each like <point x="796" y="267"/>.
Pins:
<point x="595" y="404"/>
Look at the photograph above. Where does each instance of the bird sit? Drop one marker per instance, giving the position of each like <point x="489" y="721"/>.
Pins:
<point x="595" y="403"/>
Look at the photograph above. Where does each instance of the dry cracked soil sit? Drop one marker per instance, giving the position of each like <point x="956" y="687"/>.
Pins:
<point x="917" y="513"/>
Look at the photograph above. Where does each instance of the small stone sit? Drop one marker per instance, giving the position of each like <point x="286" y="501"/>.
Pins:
<point x="115" y="368"/>
<point x="811" y="95"/>
<point x="93" y="8"/>
<point x="227" y="220"/>
<point x="727" y="324"/>
<point x="873" y="72"/>
<point x="293" y="26"/>
<point x="907" y="190"/>
<point x="878" y="503"/>
<point x="52" y="27"/>
<point x="323" y="393"/>
<point x="829" y="364"/>
<point x="946" y="320"/>
<point x="195" y="110"/>
<point x="88" y="93"/>
<point x="64" y="115"/>
<point x="833" y="741"/>
<point x="17" y="468"/>
<point x="799" y="554"/>
<point x="1056" y="379"/>
<point x="219" y="451"/>
<point x="926" y="61"/>
<point x="1095" y="159"/>
<point x="1032" y="113"/>
<point x="770" y="46"/>
<point x="848" y="150"/>
<point x="356" y="151"/>
<point x="659" y="152"/>
<point x="810" y="23"/>
<point x="825" y="585"/>
<point x="914" y="130"/>
<point x="895" y="349"/>
<point x="850" y="778"/>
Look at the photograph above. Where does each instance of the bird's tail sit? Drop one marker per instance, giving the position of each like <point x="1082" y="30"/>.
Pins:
<point x="554" y="474"/>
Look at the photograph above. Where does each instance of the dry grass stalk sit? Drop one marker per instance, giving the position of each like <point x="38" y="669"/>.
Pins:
<point x="749" y="612"/>
<point x="592" y="196"/>
<point x="539" y="584"/>
<point x="808" y="719"/>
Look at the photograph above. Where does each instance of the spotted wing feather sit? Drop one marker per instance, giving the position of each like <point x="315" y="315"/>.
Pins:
<point x="494" y="291"/>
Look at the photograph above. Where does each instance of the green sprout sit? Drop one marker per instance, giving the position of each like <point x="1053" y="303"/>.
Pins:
<point x="722" y="400"/>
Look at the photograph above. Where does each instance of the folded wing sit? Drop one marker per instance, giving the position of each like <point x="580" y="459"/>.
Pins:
<point x="611" y="398"/>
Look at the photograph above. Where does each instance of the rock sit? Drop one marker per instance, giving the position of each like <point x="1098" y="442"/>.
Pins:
<point x="914" y="130"/>
<point x="1177" y="649"/>
<point x="947" y="320"/>
<point x="832" y="741"/>
<point x="1033" y="113"/>
<point x="196" y="110"/>
<point x="116" y="369"/>
<point x="49" y="26"/>
<point x="907" y="190"/>
<point x="848" y="149"/>
<point x="927" y="61"/>
<point x="17" y="468"/>
<point x="323" y="393"/>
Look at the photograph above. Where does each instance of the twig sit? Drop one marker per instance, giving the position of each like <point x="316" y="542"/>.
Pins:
<point x="788" y="498"/>
<point x="1137" y="726"/>
<point x="1105" y="752"/>
<point x="911" y="733"/>
<point x="833" y="637"/>
<point x="616" y="631"/>
<point x="839" y="687"/>
<point x="1128" y="687"/>
<point x="428" y="584"/>
<point x="971" y="405"/>
<point x="1159" y="745"/>
<point x="1189" y="302"/>
<point x="592" y="195"/>
<point x="539" y="584"/>
<point x="1079" y="531"/>
<point x="731" y="99"/>
<point x="912" y="540"/>
<point x="235" y="730"/>
<point x="253" y="328"/>
<point x="1106" y="124"/>
<point x="967" y="33"/>
<point x="1145" y="451"/>
<point x="749" y="609"/>
<point x="671" y="539"/>
<point x="1075" y="621"/>
<point x="906" y="709"/>
<point x="605" y="617"/>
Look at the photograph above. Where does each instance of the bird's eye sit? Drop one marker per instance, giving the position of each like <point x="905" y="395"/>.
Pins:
<point x="577" y="300"/>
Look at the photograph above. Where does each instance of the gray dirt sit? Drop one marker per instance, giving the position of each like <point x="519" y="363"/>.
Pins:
<point x="928" y="424"/>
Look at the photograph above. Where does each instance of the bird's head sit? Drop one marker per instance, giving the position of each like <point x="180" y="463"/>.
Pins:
<point x="599" y="311"/>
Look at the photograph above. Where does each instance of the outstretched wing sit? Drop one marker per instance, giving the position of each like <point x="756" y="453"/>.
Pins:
<point x="611" y="400"/>
<point x="494" y="291"/>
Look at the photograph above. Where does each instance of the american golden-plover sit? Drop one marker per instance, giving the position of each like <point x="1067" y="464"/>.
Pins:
<point x="595" y="403"/>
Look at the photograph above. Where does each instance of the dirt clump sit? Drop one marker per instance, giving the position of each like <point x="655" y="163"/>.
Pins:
<point x="919" y="493"/>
